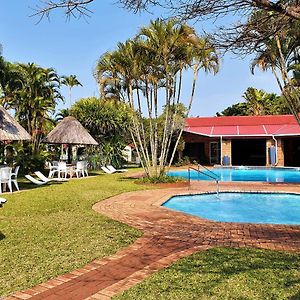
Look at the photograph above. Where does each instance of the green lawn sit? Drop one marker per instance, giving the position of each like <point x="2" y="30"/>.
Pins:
<point x="224" y="273"/>
<point x="49" y="230"/>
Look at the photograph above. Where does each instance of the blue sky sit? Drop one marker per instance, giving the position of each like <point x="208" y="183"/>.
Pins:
<point x="73" y="47"/>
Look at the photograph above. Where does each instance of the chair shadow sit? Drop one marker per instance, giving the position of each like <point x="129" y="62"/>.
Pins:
<point x="2" y="236"/>
<point x="25" y="186"/>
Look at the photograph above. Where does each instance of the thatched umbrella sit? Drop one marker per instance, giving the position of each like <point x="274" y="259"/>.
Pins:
<point x="10" y="129"/>
<point x="70" y="131"/>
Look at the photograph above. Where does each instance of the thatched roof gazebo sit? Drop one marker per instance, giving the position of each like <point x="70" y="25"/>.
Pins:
<point x="10" y="129"/>
<point x="70" y="131"/>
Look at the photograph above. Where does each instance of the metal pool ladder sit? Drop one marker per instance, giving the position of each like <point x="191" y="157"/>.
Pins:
<point x="211" y="175"/>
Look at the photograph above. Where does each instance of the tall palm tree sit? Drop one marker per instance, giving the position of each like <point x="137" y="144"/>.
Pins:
<point x="150" y="68"/>
<point x="70" y="81"/>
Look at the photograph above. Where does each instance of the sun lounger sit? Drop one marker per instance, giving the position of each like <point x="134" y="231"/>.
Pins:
<point x="113" y="169"/>
<point x="35" y="181"/>
<point x="45" y="179"/>
<point x="106" y="170"/>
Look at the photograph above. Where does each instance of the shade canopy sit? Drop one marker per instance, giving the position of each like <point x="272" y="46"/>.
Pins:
<point x="10" y="129"/>
<point x="244" y="126"/>
<point x="70" y="131"/>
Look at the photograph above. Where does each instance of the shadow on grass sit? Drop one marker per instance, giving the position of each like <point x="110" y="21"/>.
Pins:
<point x="2" y="236"/>
<point x="212" y="274"/>
<point x="225" y="263"/>
<point x="26" y="185"/>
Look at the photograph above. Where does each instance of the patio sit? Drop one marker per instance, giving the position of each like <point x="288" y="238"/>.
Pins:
<point x="168" y="236"/>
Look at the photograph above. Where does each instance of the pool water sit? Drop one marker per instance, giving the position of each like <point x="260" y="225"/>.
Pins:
<point x="244" y="174"/>
<point x="268" y="208"/>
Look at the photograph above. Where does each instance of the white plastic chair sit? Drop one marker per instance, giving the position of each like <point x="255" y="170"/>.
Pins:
<point x="85" y="168"/>
<point x="5" y="177"/>
<point x="79" y="169"/>
<point x="53" y="169"/>
<point x="62" y="169"/>
<point x="14" y="177"/>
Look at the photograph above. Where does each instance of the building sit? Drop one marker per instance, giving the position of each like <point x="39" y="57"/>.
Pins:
<point x="243" y="140"/>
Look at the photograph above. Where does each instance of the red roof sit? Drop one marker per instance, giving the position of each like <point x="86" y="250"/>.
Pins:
<point x="279" y="125"/>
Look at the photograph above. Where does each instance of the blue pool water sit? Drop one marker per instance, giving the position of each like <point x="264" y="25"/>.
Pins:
<point x="268" y="208"/>
<point x="244" y="174"/>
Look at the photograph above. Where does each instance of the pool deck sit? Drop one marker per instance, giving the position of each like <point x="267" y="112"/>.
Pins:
<point x="168" y="236"/>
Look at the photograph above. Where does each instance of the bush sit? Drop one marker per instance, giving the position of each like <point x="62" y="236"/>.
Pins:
<point x="161" y="179"/>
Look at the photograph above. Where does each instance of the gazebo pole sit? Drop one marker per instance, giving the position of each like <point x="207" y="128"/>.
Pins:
<point x="69" y="153"/>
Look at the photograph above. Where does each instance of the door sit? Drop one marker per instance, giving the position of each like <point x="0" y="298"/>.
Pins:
<point x="214" y="153"/>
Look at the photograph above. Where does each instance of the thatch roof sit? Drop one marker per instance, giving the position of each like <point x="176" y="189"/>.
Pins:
<point x="70" y="131"/>
<point x="10" y="129"/>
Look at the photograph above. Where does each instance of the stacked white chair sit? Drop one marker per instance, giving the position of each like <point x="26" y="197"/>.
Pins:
<point x="62" y="169"/>
<point x="53" y="169"/>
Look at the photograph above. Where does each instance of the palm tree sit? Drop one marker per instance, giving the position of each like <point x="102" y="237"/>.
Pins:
<point x="256" y="100"/>
<point x="150" y="68"/>
<point x="65" y="112"/>
<point x="34" y="96"/>
<point x="70" y="81"/>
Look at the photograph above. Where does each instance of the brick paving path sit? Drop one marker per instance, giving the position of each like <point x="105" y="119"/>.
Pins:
<point x="168" y="236"/>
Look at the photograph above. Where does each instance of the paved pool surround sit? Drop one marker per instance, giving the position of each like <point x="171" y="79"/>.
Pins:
<point x="168" y="236"/>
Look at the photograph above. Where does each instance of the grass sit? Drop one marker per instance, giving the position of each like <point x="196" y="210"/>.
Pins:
<point x="224" y="273"/>
<point x="50" y="230"/>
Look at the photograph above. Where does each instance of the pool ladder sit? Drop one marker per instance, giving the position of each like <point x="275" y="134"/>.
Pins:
<point x="211" y="175"/>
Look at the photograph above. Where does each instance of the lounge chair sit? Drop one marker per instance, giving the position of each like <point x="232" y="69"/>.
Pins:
<point x="113" y="169"/>
<point x="35" y="181"/>
<point x="106" y="170"/>
<point x="45" y="179"/>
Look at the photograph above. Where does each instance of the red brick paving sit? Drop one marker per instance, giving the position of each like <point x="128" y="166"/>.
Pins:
<point x="168" y="236"/>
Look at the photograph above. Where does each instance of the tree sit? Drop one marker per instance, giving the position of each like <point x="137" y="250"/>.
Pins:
<point x="10" y="81"/>
<point x="238" y="109"/>
<point x="279" y="53"/>
<point x="33" y="94"/>
<point x="70" y="81"/>
<point x="148" y="72"/>
<point x="286" y="12"/>
<point x="107" y="120"/>
<point x="187" y="8"/>
<point x="258" y="102"/>
<point x="63" y="113"/>
<point x="74" y="8"/>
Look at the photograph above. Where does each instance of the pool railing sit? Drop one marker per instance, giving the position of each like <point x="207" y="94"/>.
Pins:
<point x="214" y="176"/>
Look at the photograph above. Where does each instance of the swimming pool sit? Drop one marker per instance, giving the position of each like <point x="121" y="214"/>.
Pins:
<point x="244" y="174"/>
<point x="248" y="207"/>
